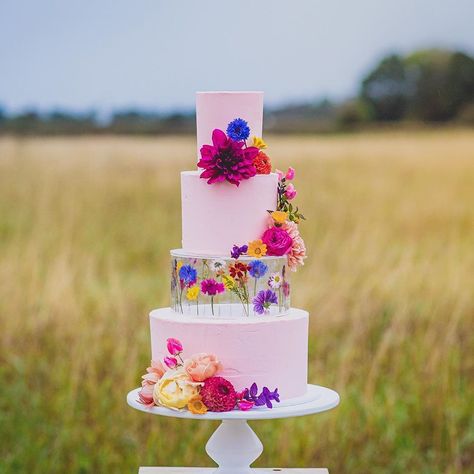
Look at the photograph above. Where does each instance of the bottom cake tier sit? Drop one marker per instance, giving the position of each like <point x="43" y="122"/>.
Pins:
<point x="268" y="351"/>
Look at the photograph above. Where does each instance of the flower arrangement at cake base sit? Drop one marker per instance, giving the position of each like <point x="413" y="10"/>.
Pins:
<point x="193" y="384"/>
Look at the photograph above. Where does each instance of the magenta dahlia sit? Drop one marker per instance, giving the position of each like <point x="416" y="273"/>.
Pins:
<point x="227" y="159"/>
<point x="218" y="394"/>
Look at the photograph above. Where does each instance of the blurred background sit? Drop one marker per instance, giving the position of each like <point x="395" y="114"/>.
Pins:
<point x="372" y="102"/>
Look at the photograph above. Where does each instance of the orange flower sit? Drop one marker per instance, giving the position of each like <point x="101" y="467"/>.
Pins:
<point x="262" y="163"/>
<point x="196" y="406"/>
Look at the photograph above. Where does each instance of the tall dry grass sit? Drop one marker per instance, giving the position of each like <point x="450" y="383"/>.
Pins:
<point x="85" y="229"/>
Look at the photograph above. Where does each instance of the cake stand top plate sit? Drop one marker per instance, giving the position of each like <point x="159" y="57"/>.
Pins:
<point x="320" y="399"/>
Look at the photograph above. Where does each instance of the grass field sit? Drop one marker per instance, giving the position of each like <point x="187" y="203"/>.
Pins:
<point x="85" y="229"/>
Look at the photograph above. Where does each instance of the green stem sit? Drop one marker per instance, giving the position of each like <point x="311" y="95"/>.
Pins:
<point x="212" y="305"/>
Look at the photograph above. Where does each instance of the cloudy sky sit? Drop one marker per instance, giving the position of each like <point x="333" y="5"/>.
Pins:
<point x="155" y="54"/>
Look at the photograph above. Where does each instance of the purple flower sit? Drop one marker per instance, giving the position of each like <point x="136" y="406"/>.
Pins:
<point x="238" y="129"/>
<point x="227" y="159"/>
<point x="237" y="251"/>
<point x="211" y="287"/>
<point x="263" y="300"/>
<point x="264" y="398"/>
<point x="257" y="269"/>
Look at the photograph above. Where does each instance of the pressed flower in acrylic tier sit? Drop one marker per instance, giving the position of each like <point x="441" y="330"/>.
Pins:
<point x="263" y="301"/>
<point x="218" y="266"/>
<point x="211" y="288"/>
<point x="257" y="248"/>
<point x="192" y="293"/>
<point x="188" y="275"/>
<point x="238" y="270"/>
<point x="238" y="130"/>
<point x="187" y="278"/>
<point x="275" y="280"/>
<point x="227" y="159"/>
<point x="238" y="288"/>
<point x="257" y="269"/>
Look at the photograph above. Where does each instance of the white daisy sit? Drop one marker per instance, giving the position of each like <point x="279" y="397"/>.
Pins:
<point x="275" y="280"/>
<point x="218" y="266"/>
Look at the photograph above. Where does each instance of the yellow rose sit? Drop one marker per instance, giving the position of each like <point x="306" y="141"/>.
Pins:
<point x="192" y="293"/>
<point x="175" y="389"/>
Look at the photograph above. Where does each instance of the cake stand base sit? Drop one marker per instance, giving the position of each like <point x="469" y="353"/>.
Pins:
<point x="234" y="446"/>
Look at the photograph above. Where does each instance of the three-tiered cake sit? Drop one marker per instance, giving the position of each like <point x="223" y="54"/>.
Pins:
<point x="230" y="339"/>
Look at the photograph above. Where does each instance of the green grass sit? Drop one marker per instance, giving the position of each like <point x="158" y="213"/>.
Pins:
<point x="85" y="229"/>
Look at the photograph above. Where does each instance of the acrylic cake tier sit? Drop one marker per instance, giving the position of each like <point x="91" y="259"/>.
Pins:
<point x="269" y="351"/>
<point x="240" y="281"/>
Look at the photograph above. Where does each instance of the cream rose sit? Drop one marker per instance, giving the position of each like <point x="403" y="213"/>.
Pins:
<point x="175" y="389"/>
<point x="202" y="366"/>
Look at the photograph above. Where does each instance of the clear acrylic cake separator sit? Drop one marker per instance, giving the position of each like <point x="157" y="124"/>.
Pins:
<point x="234" y="446"/>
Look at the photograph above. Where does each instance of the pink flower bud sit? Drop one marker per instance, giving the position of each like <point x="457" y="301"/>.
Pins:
<point x="170" y="362"/>
<point x="290" y="192"/>
<point x="174" y="346"/>
<point x="280" y="174"/>
<point x="245" y="405"/>
<point x="290" y="174"/>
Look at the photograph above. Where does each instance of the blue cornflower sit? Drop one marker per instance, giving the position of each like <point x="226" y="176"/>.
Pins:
<point x="188" y="275"/>
<point x="257" y="269"/>
<point x="238" y="129"/>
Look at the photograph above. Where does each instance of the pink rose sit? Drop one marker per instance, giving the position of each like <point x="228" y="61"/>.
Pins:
<point x="297" y="252"/>
<point x="290" y="174"/>
<point x="171" y="362"/>
<point x="202" y="366"/>
<point x="174" y="346"/>
<point x="145" y="395"/>
<point x="277" y="240"/>
<point x="290" y="192"/>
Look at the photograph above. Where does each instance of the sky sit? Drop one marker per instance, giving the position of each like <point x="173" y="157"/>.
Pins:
<point x="154" y="54"/>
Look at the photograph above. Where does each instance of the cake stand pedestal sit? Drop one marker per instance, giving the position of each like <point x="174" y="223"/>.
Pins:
<point x="234" y="446"/>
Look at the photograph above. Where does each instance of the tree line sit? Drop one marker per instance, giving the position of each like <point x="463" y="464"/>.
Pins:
<point x="428" y="86"/>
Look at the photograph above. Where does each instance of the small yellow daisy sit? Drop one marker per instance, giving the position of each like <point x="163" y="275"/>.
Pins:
<point x="257" y="249"/>
<point x="192" y="293"/>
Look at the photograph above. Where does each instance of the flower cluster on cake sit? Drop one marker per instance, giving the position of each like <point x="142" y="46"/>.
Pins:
<point x="230" y="159"/>
<point x="194" y="384"/>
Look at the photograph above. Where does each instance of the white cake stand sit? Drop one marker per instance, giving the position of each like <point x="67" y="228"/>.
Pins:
<point x="234" y="445"/>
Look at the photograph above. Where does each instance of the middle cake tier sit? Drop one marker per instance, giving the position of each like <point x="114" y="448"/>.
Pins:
<point x="217" y="216"/>
<point x="228" y="288"/>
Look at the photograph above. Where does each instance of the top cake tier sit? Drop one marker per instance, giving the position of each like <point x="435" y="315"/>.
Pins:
<point x="217" y="109"/>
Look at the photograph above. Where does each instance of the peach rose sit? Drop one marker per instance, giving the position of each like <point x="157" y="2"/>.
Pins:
<point x="202" y="366"/>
